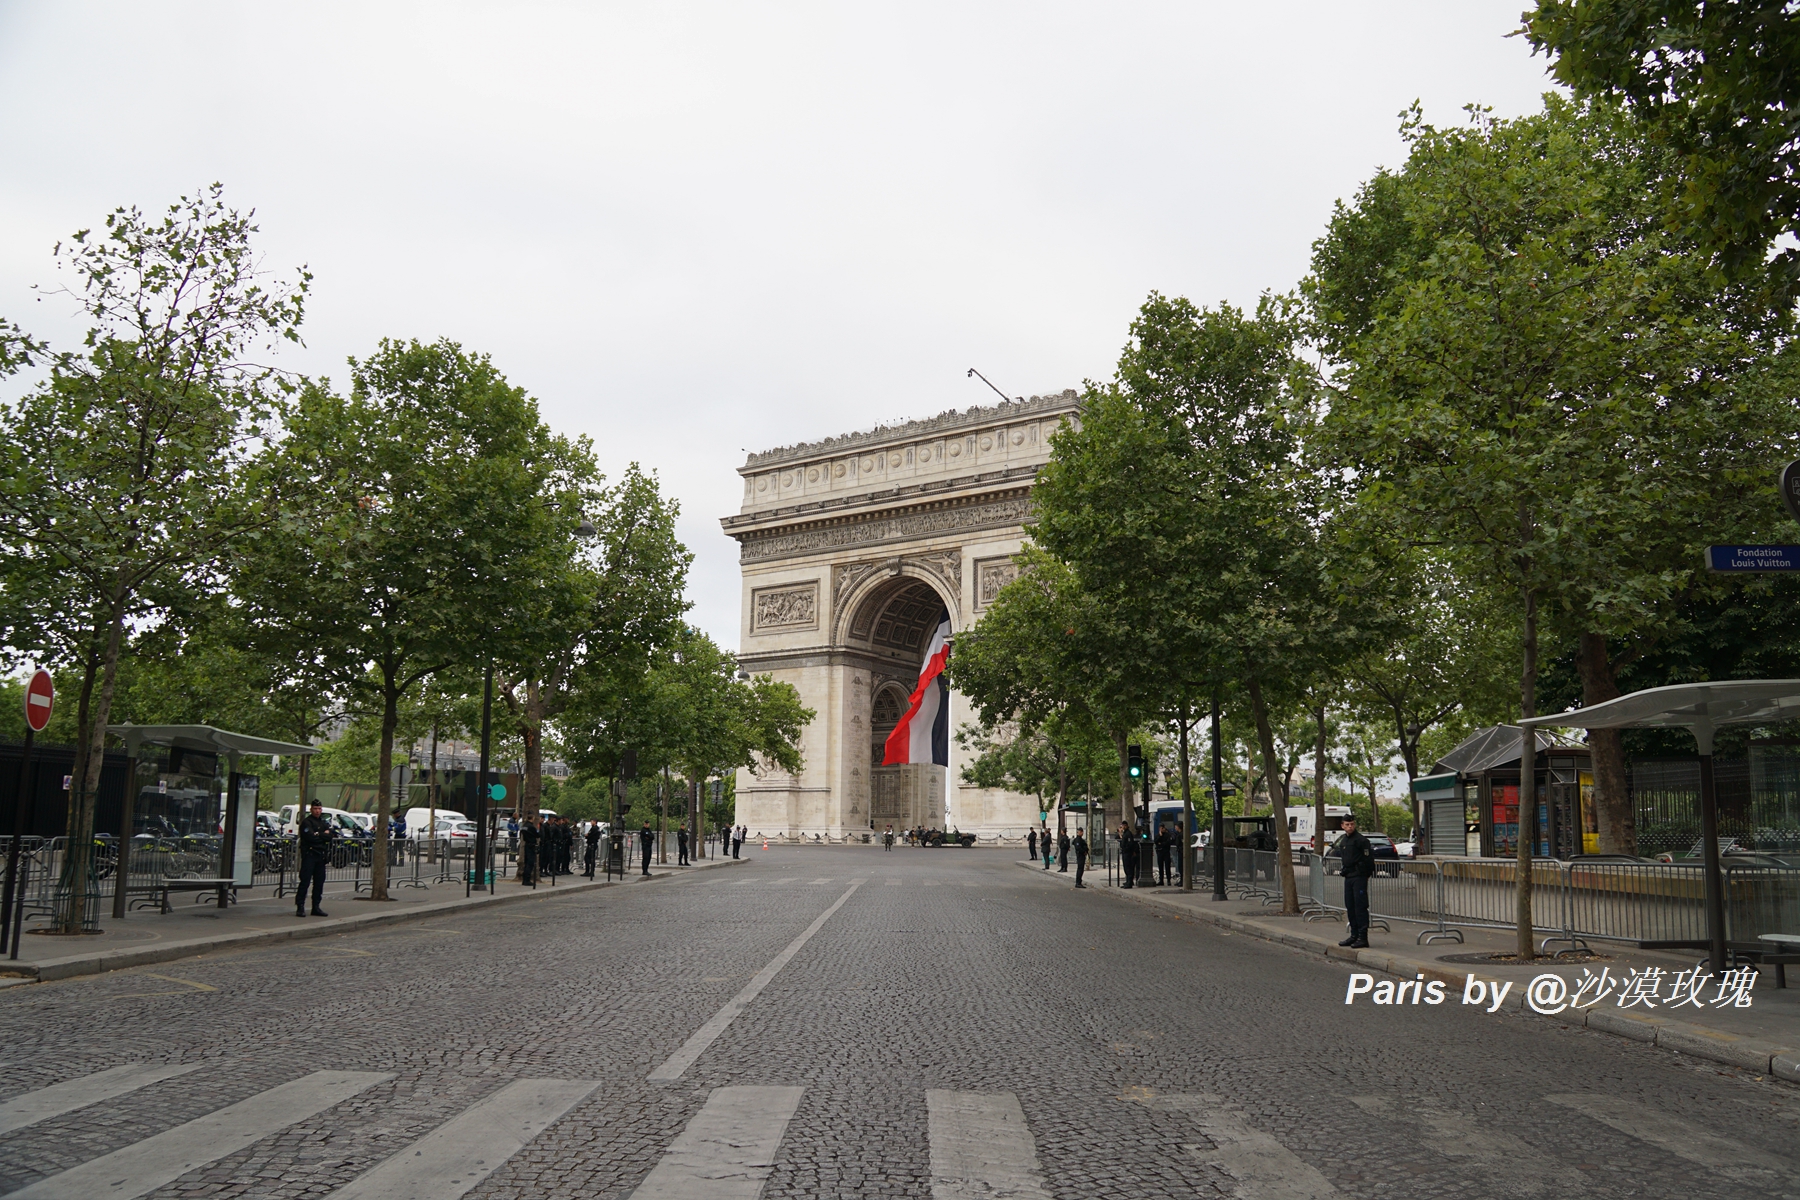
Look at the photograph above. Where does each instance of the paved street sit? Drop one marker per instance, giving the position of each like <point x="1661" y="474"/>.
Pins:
<point x="838" y="1022"/>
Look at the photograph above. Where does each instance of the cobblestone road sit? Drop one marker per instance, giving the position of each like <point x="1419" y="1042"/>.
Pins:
<point x="957" y="1027"/>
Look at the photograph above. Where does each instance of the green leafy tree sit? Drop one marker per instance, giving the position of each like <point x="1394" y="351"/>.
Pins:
<point x="1719" y="83"/>
<point x="1534" y="374"/>
<point x="602" y="611"/>
<point x="437" y="507"/>
<point x="123" y="476"/>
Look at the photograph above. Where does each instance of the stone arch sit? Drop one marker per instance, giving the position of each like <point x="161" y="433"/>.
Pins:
<point x="867" y="594"/>
<point x="892" y="618"/>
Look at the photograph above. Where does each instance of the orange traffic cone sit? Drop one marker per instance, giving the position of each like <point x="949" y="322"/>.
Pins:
<point x="765" y="843"/>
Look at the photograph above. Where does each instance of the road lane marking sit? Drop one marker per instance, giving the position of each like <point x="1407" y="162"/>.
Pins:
<point x="727" y="1150"/>
<point x="810" y="882"/>
<point x="981" y="1147"/>
<point x="1262" y="1167"/>
<point x="1499" y="1157"/>
<point x="1679" y="1137"/>
<point x="676" y="1065"/>
<point x="142" y="1167"/>
<point x="462" y="1152"/>
<point x="71" y="1094"/>
<point x="893" y="883"/>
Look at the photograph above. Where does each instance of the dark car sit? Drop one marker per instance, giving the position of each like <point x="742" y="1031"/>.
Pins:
<point x="1387" y="858"/>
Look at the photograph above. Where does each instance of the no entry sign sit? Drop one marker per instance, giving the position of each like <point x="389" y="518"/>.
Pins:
<point x="40" y="698"/>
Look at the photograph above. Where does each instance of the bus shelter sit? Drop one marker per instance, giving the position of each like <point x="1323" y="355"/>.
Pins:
<point x="1700" y="708"/>
<point x="193" y="753"/>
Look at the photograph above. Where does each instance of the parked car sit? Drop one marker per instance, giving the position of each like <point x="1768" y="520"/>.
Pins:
<point x="1387" y="855"/>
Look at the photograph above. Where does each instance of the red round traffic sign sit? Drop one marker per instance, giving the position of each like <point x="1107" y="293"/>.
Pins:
<point x="40" y="698"/>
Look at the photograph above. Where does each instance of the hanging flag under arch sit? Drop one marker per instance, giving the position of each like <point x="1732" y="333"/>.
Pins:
<point x="923" y="734"/>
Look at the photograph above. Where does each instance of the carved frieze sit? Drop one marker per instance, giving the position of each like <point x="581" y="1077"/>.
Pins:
<point x="992" y="574"/>
<point x="789" y="607"/>
<point x="1010" y="510"/>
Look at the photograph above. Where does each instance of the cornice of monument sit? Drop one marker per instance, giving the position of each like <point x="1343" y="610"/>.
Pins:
<point x="883" y="502"/>
<point x="926" y="427"/>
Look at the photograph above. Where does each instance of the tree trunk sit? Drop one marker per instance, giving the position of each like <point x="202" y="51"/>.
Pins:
<point x="384" y="794"/>
<point x="1062" y="791"/>
<point x="1290" y="894"/>
<point x="1319" y="786"/>
<point x="1527" y="751"/>
<point x="1612" y="792"/>
<point x="531" y="732"/>
<point x="431" y="796"/>
<point x="1125" y="812"/>
<point x="84" y="789"/>
<point x="1187" y="808"/>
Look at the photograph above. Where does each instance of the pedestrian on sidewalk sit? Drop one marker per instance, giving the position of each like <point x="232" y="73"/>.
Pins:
<point x="681" y="846"/>
<point x="1080" y="847"/>
<point x="316" y="836"/>
<point x="1045" y="847"/>
<point x="593" y="847"/>
<point x="1031" y="844"/>
<point x="565" y="846"/>
<point x="528" y="857"/>
<point x="646" y="844"/>
<point x="1128" y="854"/>
<point x="512" y="834"/>
<point x="1164" y="840"/>
<point x="1359" y="864"/>
<point x="1062" y="850"/>
<point x="887" y="840"/>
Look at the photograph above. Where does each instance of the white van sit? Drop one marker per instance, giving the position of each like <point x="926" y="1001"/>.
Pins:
<point x="418" y="820"/>
<point x="1300" y="824"/>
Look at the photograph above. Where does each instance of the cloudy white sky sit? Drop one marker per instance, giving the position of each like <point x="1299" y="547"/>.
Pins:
<point x="693" y="230"/>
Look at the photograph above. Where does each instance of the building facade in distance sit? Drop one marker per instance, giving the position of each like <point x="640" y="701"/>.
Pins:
<point x="850" y="549"/>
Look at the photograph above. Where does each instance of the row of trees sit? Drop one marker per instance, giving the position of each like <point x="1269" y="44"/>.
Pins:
<point x="191" y="535"/>
<point x="1477" y="454"/>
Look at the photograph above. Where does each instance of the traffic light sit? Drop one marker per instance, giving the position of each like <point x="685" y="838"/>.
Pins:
<point x="1134" y="761"/>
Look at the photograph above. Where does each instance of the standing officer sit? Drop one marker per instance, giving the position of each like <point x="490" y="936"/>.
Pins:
<point x="646" y="843"/>
<point x="593" y="847"/>
<point x="887" y="840"/>
<point x="1162" y="855"/>
<point x="1128" y="854"/>
<point x="1080" y="846"/>
<point x="528" y="857"/>
<point x="681" y="846"/>
<point x="1031" y="843"/>
<point x="1062" y="850"/>
<point x="316" y="836"/>
<point x="1359" y="864"/>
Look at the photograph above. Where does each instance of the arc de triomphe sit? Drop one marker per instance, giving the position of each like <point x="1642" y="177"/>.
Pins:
<point x="849" y="548"/>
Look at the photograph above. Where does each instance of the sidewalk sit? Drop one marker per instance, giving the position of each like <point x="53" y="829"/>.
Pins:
<point x="147" y="936"/>
<point x="1764" y="1038"/>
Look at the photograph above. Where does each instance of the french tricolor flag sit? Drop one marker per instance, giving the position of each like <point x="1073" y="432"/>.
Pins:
<point x="923" y="734"/>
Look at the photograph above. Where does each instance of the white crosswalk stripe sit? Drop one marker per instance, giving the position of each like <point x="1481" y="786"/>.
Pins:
<point x="1261" y="1167"/>
<point x="66" y="1097"/>
<point x="144" y="1166"/>
<point x="894" y="883"/>
<point x="981" y="1147"/>
<point x="727" y="1150"/>
<point x="1681" y="1138"/>
<point x="810" y="882"/>
<point x="451" y="1159"/>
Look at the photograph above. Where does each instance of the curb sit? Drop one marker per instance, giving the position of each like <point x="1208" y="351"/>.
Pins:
<point x="1685" y="1037"/>
<point x="74" y="966"/>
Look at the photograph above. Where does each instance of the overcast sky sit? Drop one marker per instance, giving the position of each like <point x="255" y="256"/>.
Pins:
<point x="696" y="230"/>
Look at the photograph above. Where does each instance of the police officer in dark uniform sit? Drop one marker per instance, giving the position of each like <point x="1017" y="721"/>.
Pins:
<point x="316" y="837"/>
<point x="1031" y="843"/>
<point x="646" y="843"/>
<point x="681" y="846"/>
<point x="1359" y="864"/>
<point x="1128" y="854"/>
<point x="593" y="847"/>
<point x="529" y="835"/>
<point x="1062" y="849"/>
<point x="1080" y="846"/>
<point x="1163" y="848"/>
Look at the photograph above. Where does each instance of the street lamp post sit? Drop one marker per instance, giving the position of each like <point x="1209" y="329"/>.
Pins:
<point x="1218" y="798"/>
<point x="478" y="872"/>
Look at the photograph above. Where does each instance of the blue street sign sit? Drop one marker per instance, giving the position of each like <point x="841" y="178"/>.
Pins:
<point x="1753" y="558"/>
